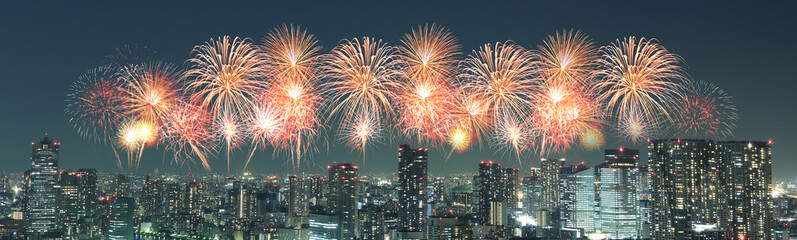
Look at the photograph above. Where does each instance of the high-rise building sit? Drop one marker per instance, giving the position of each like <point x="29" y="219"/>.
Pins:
<point x="68" y="203"/>
<point x="577" y="203"/>
<point x="298" y="206"/>
<point x="152" y="199"/>
<point x="120" y="218"/>
<point x="685" y="191"/>
<point x="489" y="192"/>
<point x="550" y="183"/>
<point x="372" y="223"/>
<point x="618" y="198"/>
<point x="747" y="179"/>
<point x="87" y="192"/>
<point x="42" y="194"/>
<point x="342" y="199"/>
<point x="412" y="178"/>
<point x="193" y="197"/>
<point x="510" y="188"/>
<point x="121" y="186"/>
<point x="532" y="191"/>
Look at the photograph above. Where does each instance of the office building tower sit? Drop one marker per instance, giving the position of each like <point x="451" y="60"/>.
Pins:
<point x="68" y="203"/>
<point x="550" y="183"/>
<point x="510" y="189"/>
<point x="152" y="199"/>
<point x="412" y="178"/>
<point x="316" y="190"/>
<point x="87" y="192"/>
<point x="685" y="191"/>
<point x="372" y="223"/>
<point x="120" y="218"/>
<point x="41" y="192"/>
<point x="298" y="206"/>
<point x="618" y="197"/>
<point x="121" y="186"/>
<point x="747" y="179"/>
<point x="577" y="203"/>
<point x="489" y="193"/>
<point x="342" y="199"/>
<point x="193" y="198"/>
<point x="532" y="191"/>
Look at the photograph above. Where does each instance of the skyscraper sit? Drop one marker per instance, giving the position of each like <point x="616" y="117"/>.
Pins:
<point x="412" y="177"/>
<point x="152" y="199"/>
<point x="684" y="188"/>
<point x="41" y="214"/>
<point x="550" y="195"/>
<point x="577" y="203"/>
<point x="532" y="191"/>
<point x="342" y="199"/>
<point x="618" y="201"/>
<point x="87" y="191"/>
<point x="120" y="218"/>
<point x="489" y="191"/>
<point x="298" y="206"/>
<point x="68" y="203"/>
<point x="747" y="178"/>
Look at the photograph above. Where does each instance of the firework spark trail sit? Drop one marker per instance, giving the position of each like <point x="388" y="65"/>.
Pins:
<point x="639" y="76"/>
<point x="266" y="126"/>
<point x="362" y="132"/>
<point x="459" y="140"/>
<point x="592" y="139"/>
<point x="427" y="100"/>
<point x="187" y="131"/>
<point x="704" y="111"/>
<point x="566" y="57"/>
<point x="363" y="75"/>
<point x="224" y="74"/>
<point x="500" y="80"/>
<point x="134" y="136"/>
<point x="293" y="61"/>
<point x="95" y="106"/>
<point x="511" y="133"/>
<point x="151" y="91"/>
<point x="230" y="131"/>
<point x="636" y="128"/>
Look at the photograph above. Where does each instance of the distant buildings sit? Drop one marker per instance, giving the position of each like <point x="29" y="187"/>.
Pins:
<point x="746" y="176"/>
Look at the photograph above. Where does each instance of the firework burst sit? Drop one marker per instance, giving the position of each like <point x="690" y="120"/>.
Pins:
<point x="224" y="74"/>
<point x="293" y="60"/>
<point x="363" y="75"/>
<point x="567" y="57"/>
<point x="266" y="126"/>
<point x="426" y="109"/>
<point x="636" y="127"/>
<point x="704" y="111"/>
<point x="134" y="136"/>
<point x="639" y="76"/>
<point x="511" y="133"/>
<point x="430" y="50"/>
<point x="592" y="139"/>
<point x="95" y="105"/>
<point x="230" y="131"/>
<point x="151" y="91"/>
<point x="362" y="132"/>
<point x="563" y="112"/>
<point x="501" y="77"/>
<point x="187" y="132"/>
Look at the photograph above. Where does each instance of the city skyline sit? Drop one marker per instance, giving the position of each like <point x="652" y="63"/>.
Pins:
<point x="703" y="64"/>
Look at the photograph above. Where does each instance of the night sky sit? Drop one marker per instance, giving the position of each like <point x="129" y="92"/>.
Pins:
<point x="748" y="49"/>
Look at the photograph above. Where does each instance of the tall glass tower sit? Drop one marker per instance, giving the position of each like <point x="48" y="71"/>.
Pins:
<point x="412" y="177"/>
<point x="42" y="193"/>
<point x="618" y="201"/>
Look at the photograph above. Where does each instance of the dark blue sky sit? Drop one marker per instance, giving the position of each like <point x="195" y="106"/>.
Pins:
<point x="746" y="48"/>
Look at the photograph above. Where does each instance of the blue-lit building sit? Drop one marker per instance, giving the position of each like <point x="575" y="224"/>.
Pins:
<point x="42" y="206"/>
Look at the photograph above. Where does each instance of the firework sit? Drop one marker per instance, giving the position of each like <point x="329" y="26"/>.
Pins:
<point x="639" y="76"/>
<point x="293" y="60"/>
<point x="363" y="75"/>
<point x="94" y="105"/>
<point x="426" y="109"/>
<point x="151" y="91"/>
<point x="511" y="133"/>
<point x="224" y="74"/>
<point x="459" y="139"/>
<point x="501" y="77"/>
<point x="291" y="52"/>
<point x="429" y="51"/>
<point x="187" y="132"/>
<point x="567" y="57"/>
<point x="266" y="126"/>
<point x="230" y="131"/>
<point x="636" y="128"/>
<point x="134" y="136"/>
<point x="362" y="132"/>
<point x="592" y="139"/>
<point x="563" y="112"/>
<point x="704" y="111"/>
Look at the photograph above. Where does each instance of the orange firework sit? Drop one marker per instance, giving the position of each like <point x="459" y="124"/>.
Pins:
<point x="293" y="60"/>
<point x="363" y="77"/>
<point x="266" y="126"/>
<point x="511" y="133"/>
<point x="229" y="129"/>
<point x="563" y="112"/>
<point x="639" y="76"/>
<point x="636" y="128"/>
<point x="567" y="57"/>
<point x="151" y="91"/>
<point x="134" y="136"/>
<point x="429" y="51"/>
<point x="592" y="139"/>
<point x="362" y="132"/>
<point x="500" y="76"/>
<point x="224" y="74"/>
<point x="704" y="111"/>
<point x="187" y="132"/>
<point x="95" y="105"/>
